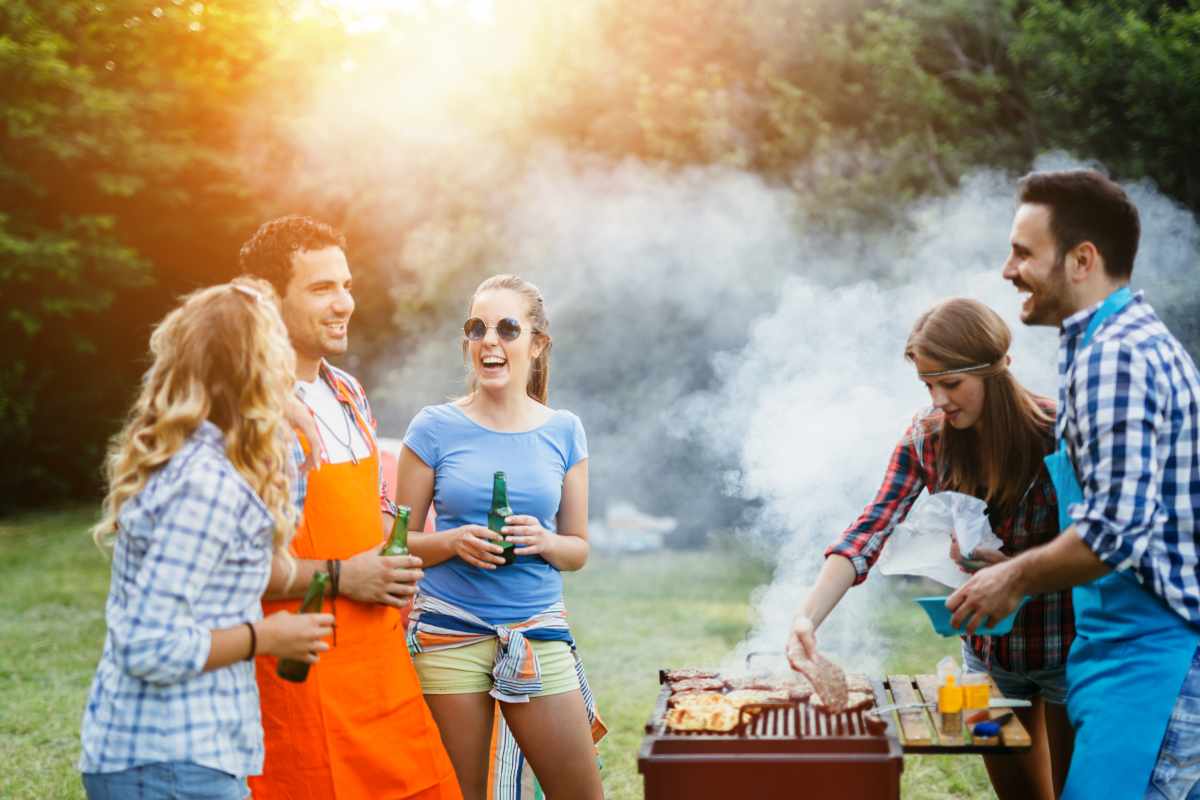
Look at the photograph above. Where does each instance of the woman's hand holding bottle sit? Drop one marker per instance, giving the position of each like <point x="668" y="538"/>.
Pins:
<point x="528" y="535"/>
<point x="478" y="546"/>
<point x="299" y="637"/>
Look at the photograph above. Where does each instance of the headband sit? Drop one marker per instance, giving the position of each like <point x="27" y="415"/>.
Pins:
<point x="972" y="368"/>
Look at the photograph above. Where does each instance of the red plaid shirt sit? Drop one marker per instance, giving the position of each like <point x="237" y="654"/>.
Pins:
<point x="1046" y="625"/>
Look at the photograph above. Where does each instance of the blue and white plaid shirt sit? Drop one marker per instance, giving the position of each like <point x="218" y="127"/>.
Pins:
<point x="193" y="554"/>
<point x="1130" y="405"/>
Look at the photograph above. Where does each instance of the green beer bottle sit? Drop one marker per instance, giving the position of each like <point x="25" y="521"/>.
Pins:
<point x="498" y="512"/>
<point x="297" y="671"/>
<point x="397" y="544"/>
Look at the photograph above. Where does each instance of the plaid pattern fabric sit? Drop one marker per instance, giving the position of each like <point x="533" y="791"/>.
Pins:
<point x="193" y="554"/>
<point x="1045" y="627"/>
<point x="350" y="392"/>
<point x="1130" y="414"/>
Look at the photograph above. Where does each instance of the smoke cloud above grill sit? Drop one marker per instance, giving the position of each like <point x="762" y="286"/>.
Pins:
<point x="743" y="371"/>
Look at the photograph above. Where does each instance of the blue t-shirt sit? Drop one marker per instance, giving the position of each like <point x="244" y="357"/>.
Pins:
<point x="464" y="456"/>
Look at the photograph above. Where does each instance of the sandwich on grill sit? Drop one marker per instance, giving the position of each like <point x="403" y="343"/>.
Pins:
<point x="705" y="711"/>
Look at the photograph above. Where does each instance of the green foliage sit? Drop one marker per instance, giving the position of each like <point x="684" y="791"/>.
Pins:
<point x="860" y="106"/>
<point x="1118" y="81"/>
<point x="117" y="123"/>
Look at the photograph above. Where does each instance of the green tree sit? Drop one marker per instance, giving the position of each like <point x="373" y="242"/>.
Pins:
<point x="121" y="189"/>
<point x="1117" y="81"/>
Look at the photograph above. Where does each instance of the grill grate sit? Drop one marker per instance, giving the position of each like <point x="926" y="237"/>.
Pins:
<point x="794" y="720"/>
<point x="848" y="755"/>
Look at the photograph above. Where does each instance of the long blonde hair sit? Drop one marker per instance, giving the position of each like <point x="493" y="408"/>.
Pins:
<point x="538" y="385"/>
<point x="1002" y="458"/>
<point x="221" y="355"/>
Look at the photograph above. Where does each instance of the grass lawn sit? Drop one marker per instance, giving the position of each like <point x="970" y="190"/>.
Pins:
<point x="632" y="616"/>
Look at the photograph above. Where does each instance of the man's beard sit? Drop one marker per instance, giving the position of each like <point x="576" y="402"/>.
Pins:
<point x="1049" y="301"/>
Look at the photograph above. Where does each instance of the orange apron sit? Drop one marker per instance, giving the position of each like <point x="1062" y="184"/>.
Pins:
<point x="358" y="728"/>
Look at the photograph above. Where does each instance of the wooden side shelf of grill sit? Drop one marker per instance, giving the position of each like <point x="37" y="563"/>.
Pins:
<point x="918" y="728"/>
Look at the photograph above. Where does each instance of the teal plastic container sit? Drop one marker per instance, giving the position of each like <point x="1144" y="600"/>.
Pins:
<point x="939" y="615"/>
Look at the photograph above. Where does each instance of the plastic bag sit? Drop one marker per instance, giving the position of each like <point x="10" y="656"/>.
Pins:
<point x="921" y="544"/>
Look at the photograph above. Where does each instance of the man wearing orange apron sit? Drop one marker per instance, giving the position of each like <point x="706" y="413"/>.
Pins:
<point x="358" y="728"/>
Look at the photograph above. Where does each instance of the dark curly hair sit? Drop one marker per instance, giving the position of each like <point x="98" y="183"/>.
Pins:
<point x="268" y="253"/>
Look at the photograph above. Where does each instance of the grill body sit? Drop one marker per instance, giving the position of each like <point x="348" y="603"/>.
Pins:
<point x="786" y="751"/>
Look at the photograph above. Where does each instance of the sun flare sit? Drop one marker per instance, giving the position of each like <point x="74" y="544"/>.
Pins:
<point x="370" y="15"/>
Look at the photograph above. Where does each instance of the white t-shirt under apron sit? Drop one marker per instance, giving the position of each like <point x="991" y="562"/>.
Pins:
<point x="336" y="425"/>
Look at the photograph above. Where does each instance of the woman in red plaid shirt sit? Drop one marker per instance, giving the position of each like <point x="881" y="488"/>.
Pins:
<point x="985" y="435"/>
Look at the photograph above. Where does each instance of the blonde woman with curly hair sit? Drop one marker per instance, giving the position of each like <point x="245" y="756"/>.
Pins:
<point x="199" y="503"/>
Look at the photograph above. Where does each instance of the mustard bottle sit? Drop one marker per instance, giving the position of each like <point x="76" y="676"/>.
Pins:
<point x="950" y="705"/>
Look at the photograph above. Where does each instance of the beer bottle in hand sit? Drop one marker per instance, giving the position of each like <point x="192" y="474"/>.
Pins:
<point x="297" y="671"/>
<point x="498" y="512"/>
<point x="397" y="544"/>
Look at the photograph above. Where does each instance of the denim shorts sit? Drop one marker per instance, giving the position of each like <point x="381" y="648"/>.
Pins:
<point x="1176" y="776"/>
<point x="1049" y="684"/>
<point x="168" y="780"/>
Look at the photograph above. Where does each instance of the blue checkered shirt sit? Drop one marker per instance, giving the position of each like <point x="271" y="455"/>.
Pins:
<point x="1130" y="408"/>
<point x="193" y="554"/>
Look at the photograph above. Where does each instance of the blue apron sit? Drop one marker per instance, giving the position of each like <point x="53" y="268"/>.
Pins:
<point x="1129" y="659"/>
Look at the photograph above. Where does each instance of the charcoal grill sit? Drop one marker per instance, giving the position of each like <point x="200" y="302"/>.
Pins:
<point x="777" y="750"/>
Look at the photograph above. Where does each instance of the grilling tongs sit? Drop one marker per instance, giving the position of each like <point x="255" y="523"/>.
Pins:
<point x="995" y="702"/>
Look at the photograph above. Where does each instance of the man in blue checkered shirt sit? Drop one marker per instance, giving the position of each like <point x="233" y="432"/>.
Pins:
<point x="1127" y="473"/>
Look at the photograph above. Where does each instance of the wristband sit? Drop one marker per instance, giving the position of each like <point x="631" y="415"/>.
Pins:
<point x="253" y="641"/>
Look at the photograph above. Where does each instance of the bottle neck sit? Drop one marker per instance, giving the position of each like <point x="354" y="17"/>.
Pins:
<point x="499" y="494"/>
<point x="399" y="536"/>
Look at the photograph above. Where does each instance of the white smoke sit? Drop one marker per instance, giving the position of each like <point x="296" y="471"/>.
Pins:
<point x="711" y="341"/>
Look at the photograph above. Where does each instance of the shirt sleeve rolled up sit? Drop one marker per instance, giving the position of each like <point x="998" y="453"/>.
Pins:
<point x="863" y="541"/>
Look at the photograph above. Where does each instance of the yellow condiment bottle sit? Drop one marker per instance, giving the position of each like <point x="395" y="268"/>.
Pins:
<point x="950" y="705"/>
<point x="977" y="694"/>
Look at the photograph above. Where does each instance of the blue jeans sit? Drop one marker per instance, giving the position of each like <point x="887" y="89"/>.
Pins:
<point x="1177" y="774"/>
<point x="170" y="780"/>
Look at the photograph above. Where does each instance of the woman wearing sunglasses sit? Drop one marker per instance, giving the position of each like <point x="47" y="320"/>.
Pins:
<point x="482" y="630"/>
<point x="985" y="435"/>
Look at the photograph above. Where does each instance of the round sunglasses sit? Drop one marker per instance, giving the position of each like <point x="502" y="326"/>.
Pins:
<point x="507" y="329"/>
